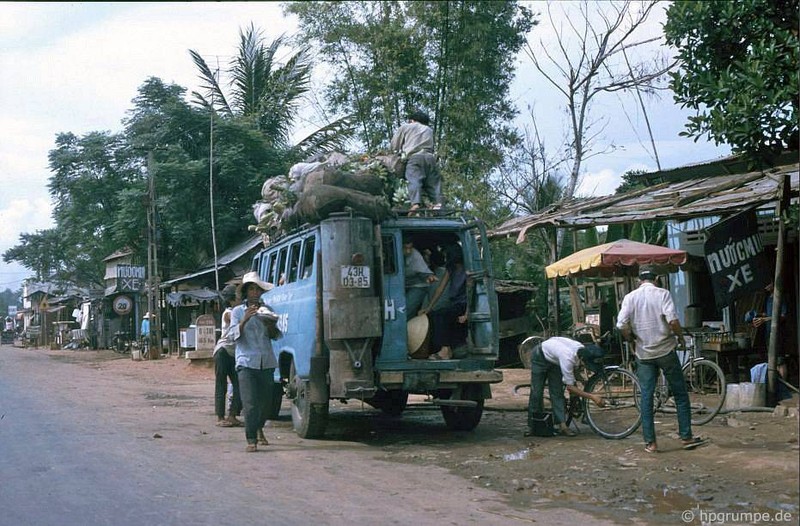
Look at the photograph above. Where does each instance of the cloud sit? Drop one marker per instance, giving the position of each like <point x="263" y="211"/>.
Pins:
<point x="23" y="215"/>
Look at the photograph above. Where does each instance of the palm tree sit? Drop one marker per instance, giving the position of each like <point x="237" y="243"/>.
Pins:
<point x="268" y="94"/>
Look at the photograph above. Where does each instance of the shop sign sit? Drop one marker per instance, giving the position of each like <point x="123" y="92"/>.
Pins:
<point x="130" y="278"/>
<point x="735" y="257"/>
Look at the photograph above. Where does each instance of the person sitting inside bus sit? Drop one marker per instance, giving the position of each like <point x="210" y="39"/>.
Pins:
<point x="449" y="323"/>
<point x="418" y="277"/>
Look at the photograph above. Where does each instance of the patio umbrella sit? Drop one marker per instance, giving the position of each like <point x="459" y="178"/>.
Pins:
<point x="618" y="258"/>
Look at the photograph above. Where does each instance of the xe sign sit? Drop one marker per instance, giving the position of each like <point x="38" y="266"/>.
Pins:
<point x="735" y="258"/>
<point x="130" y="278"/>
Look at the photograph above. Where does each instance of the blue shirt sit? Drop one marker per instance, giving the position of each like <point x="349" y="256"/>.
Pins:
<point x="145" y="330"/>
<point x="253" y="345"/>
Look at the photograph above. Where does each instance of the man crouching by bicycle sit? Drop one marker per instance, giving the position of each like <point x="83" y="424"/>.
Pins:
<point x="647" y="319"/>
<point x="554" y="362"/>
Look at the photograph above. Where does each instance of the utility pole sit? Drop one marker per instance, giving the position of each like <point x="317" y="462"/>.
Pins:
<point x="211" y="187"/>
<point x="153" y="302"/>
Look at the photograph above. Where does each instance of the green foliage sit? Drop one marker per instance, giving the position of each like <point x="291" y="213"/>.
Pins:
<point x="454" y="59"/>
<point x="8" y="297"/>
<point x="738" y="72"/>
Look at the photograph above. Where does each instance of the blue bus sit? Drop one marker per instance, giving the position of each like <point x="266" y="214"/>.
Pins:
<point x="341" y="299"/>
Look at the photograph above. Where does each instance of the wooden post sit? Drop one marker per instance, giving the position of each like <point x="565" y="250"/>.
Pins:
<point x="777" y="293"/>
<point x="554" y="292"/>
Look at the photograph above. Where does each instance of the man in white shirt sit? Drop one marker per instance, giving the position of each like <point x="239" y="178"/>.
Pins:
<point x="648" y="320"/>
<point x="553" y="362"/>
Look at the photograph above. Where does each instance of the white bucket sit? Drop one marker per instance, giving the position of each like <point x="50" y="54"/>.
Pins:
<point x="752" y="395"/>
<point x="732" y="397"/>
<point x="136" y="355"/>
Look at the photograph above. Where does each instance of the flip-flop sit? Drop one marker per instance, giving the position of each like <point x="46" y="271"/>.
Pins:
<point x="651" y="448"/>
<point x="224" y="423"/>
<point x="435" y="357"/>
<point x="694" y="442"/>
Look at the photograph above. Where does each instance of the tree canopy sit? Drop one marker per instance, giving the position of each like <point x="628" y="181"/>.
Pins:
<point x="738" y="72"/>
<point x="452" y="59"/>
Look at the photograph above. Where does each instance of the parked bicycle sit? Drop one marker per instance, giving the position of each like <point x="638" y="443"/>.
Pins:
<point x="705" y="382"/>
<point x="121" y="343"/>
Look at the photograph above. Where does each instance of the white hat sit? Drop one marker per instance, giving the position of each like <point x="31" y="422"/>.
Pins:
<point x="417" y="332"/>
<point x="146" y="314"/>
<point x="253" y="277"/>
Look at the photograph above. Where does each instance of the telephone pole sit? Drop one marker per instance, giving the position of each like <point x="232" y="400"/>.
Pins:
<point x="153" y="301"/>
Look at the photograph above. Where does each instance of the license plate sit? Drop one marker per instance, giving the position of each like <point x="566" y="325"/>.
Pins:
<point x="355" y="277"/>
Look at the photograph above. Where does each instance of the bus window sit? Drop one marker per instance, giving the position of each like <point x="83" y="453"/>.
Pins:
<point x="270" y="263"/>
<point x="389" y="255"/>
<point x="308" y="257"/>
<point x="280" y="271"/>
<point x="294" y="262"/>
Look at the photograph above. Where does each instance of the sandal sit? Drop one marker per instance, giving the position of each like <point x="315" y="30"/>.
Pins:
<point x="262" y="439"/>
<point x="694" y="442"/>
<point x="251" y="448"/>
<point x="567" y="432"/>
<point x="234" y="422"/>
<point x="651" y="448"/>
<point x="224" y="423"/>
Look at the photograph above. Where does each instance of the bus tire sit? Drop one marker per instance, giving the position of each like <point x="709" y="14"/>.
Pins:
<point x="465" y="418"/>
<point x="309" y="419"/>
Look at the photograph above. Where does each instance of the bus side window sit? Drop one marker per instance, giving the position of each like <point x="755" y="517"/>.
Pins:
<point x="389" y="255"/>
<point x="271" y="264"/>
<point x="294" y="262"/>
<point x="280" y="271"/>
<point x="308" y="257"/>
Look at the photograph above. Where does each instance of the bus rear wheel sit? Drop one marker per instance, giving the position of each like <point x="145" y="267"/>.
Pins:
<point x="466" y="417"/>
<point x="309" y="419"/>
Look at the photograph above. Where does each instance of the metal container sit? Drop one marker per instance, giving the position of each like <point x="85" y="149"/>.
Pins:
<point x="693" y="316"/>
<point x="742" y="340"/>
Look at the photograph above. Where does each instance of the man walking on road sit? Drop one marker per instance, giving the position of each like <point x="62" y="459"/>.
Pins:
<point x="647" y="319"/>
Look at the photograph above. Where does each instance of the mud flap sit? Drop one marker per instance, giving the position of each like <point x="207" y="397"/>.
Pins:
<point x="318" y="380"/>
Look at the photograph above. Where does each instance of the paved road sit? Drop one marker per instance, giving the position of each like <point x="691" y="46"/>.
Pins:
<point x="78" y="446"/>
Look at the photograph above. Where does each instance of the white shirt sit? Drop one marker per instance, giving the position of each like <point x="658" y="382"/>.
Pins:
<point x="647" y="311"/>
<point x="564" y="352"/>
<point x="411" y="138"/>
<point x="225" y="341"/>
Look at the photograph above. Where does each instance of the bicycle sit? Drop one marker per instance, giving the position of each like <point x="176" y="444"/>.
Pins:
<point x="705" y="383"/>
<point x="121" y="343"/>
<point x="619" y="389"/>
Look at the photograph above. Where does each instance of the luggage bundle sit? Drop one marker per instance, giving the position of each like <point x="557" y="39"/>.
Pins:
<point x="335" y="182"/>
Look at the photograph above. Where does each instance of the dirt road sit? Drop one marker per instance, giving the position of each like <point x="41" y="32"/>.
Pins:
<point x="751" y="465"/>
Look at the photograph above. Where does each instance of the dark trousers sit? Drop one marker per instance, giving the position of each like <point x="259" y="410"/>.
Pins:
<point x="256" y="387"/>
<point x="445" y="329"/>
<point x="422" y="174"/>
<point x="224" y="369"/>
<point x="543" y="372"/>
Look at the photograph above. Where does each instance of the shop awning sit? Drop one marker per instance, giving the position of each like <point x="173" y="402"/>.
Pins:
<point x="718" y="195"/>
<point x="176" y="299"/>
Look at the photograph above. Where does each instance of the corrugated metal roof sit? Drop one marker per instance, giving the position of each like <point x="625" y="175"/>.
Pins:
<point x="682" y="200"/>
<point x="224" y="259"/>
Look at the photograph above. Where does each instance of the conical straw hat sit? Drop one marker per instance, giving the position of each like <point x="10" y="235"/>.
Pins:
<point x="417" y="331"/>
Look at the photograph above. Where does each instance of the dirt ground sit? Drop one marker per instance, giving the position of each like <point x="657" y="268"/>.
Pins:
<point x="749" y="467"/>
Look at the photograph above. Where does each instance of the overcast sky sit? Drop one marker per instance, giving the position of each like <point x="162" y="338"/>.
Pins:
<point x="75" y="67"/>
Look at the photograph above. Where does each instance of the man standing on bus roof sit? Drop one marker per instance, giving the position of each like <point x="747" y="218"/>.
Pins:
<point x="414" y="142"/>
<point x="648" y="320"/>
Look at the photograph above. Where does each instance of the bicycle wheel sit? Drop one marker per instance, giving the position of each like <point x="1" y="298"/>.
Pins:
<point x="706" y="384"/>
<point x="620" y="417"/>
